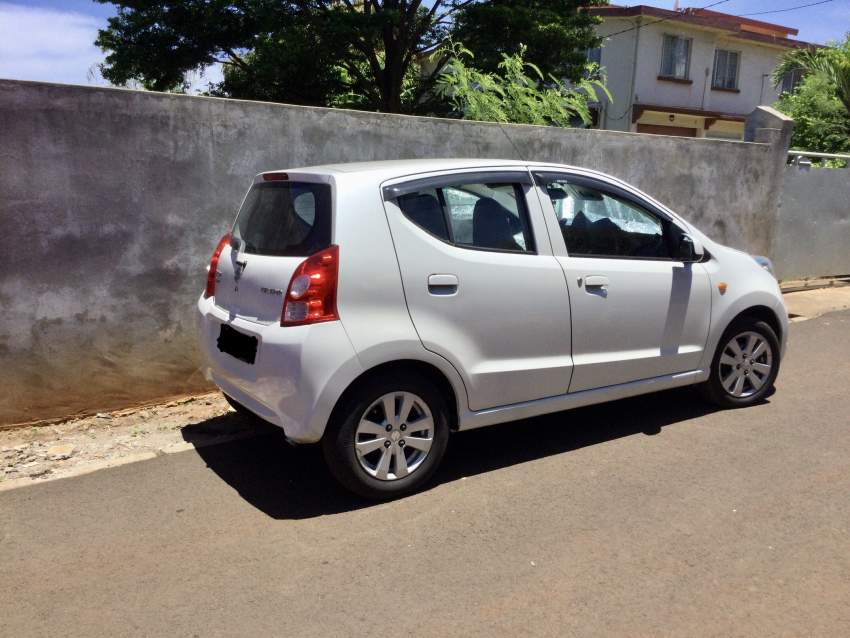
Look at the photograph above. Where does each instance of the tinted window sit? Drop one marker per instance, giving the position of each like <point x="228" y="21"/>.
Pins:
<point x="423" y="208"/>
<point x="599" y="223"/>
<point x="489" y="216"/>
<point x="285" y="219"/>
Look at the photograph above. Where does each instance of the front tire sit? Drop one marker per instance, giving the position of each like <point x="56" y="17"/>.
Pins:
<point x="389" y="436"/>
<point x="745" y="364"/>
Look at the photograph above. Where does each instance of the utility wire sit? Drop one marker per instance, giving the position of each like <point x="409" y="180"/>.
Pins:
<point x="802" y="6"/>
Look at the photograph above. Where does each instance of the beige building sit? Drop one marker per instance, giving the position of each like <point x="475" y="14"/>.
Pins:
<point x="694" y="72"/>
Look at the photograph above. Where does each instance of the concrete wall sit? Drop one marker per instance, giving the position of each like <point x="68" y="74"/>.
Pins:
<point x="813" y="233"/>
<point x="112" y="200"/>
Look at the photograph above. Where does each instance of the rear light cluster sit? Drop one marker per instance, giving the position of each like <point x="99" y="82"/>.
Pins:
<point x="212" y="270"/>
<point x="311" y="296"/>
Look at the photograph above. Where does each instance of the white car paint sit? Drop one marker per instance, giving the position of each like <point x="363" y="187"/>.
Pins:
<point x="518" y="337"/>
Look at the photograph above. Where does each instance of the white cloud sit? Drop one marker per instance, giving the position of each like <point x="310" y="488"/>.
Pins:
<point x="49" y="45"/>
<point x="52" y="45"/>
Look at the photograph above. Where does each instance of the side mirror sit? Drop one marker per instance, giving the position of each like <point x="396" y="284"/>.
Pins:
<point x="689" y="249"/>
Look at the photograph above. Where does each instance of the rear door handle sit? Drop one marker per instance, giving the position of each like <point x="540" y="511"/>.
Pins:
<point x="596" y="282"/>
<point x="442" y="284"/>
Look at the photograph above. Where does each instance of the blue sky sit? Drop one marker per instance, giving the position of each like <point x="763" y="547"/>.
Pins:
<point x="52" y="40"/>
<point x="819" y="24"/>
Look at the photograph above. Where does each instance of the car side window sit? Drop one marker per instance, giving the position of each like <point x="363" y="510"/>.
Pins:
<point x="599" y="223"/>
<point x="484" y="216"/>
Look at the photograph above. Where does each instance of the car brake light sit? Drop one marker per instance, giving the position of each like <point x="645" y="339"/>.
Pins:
<point x="311" y="295"/>
<point x="212" y="269"/>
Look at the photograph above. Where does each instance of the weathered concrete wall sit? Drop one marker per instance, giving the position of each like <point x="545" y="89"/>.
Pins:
<point x="813" y="231"/>
<point x="112" y="200"/>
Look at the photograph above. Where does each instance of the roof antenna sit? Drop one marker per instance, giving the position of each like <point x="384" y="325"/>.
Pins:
<point x="510" y="139"/>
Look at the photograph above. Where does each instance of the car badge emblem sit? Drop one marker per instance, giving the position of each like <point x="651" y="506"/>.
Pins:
<point x="237" y="273"/>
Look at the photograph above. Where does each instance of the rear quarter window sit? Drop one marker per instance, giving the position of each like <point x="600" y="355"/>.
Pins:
<point x="483" y="216"/>
<point x="285" y="219"/>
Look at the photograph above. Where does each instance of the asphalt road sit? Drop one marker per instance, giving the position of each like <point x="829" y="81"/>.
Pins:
<point x="643" y="517"/>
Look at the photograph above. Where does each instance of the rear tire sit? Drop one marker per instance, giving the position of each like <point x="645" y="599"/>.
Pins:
<point x="744" y="366"/>
<point x="389" y="436"/>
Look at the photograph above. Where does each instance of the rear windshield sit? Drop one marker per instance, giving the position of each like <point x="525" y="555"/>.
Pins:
<point x="285" y="219"/>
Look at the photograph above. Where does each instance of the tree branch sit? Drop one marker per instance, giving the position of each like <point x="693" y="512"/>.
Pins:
<point x="236" y="60"/>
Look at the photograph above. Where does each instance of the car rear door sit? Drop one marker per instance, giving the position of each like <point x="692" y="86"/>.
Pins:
<point x="481" y="283"/>
<point x="637" y="313"/>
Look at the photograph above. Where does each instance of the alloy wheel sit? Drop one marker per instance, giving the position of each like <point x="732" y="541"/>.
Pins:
<point x="394" y="436"/>
<point x="745" y="364"/>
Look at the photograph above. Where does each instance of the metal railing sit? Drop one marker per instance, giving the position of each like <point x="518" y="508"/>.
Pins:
<point x="804" y="158"/>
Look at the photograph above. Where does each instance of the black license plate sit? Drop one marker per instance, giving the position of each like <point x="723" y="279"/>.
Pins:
<point x="237" y="344"/>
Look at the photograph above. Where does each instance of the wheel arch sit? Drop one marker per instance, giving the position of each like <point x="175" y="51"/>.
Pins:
<point x="427" y="370"/>
<point x="761" y="313"/>
<point x="759" y="306"/>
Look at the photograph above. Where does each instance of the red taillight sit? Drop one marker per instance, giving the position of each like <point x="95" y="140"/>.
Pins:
<point x="213" y="268"/>
<point x="311" y="295"/>
<point x="275" y="177"/>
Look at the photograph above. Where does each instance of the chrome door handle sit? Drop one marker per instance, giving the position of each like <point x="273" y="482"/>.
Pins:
<point x="442" y="284"/>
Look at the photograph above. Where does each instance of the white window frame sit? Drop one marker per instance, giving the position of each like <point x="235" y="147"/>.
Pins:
<point x="673" y="39"/>
<point x="714" y="75"/>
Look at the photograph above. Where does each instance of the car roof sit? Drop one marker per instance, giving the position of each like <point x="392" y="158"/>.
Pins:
<point x="406" y="166"/>
<point x="389" y="169"/>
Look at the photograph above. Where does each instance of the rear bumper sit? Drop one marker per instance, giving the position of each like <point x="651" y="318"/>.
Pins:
<point x="298" y="375"/>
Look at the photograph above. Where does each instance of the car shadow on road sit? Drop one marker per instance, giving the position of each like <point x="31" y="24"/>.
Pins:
<point x="287" y="482"/>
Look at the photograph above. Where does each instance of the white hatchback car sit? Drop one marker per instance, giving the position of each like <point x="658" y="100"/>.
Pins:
<point x="377" y="306"/>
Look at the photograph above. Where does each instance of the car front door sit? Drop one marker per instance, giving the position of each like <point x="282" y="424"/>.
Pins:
<point x="638" y="312"/>
<point x="481" y="283"/>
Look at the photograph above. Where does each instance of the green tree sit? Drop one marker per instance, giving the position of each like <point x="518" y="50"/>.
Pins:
<point x="832" y="63"/>
<point x="302" y="51"/>
<point x="372" y="54"/>
<point x="516" y="92"/>
<point x="821" y="122"/>
<point x="820" y="104"/>
<point x="556" y="33"/>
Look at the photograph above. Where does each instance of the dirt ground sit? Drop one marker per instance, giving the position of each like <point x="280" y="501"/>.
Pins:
<point x="81" y="445"/>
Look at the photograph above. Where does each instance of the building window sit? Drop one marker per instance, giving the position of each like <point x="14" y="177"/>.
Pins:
<point x="594" y="57"/>
<point x="675" y="57"/>
<point x="790" y="81"/>
<point x="725" y="69"/>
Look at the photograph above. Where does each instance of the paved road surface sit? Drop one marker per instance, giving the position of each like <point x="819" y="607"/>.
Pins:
<point x="643" y="517"/>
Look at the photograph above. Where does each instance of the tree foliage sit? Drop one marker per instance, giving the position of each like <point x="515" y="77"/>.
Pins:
<point x="517" y="92"/>
<point x="820" y="104"/>
<point x="832" y="63"/>
<point x="370" y="54"/>
<point x="556" y="34"/>
<point x="821" y="123"/>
